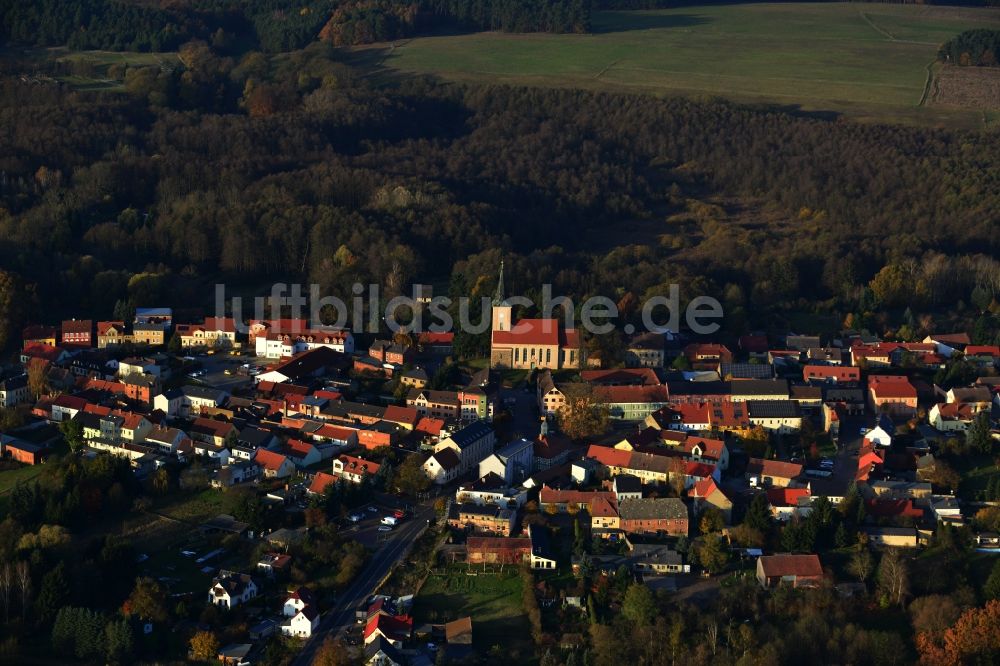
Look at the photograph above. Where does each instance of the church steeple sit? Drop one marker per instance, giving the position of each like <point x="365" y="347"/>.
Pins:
<point x="500" y="307"/>
<point x="498" y="297"/>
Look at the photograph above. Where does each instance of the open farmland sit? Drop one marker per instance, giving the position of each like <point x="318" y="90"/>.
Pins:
<point x="868" y="61"/>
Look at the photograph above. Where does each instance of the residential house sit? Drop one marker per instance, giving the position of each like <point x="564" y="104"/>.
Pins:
<point x="442" y="466"/>
<point x="497" y="550"/>
<point x="303" y="624"/>
<point x="230" y="589"/>
<point x="354" y="470"/>
<point x="780" y="416"/>
<point x="393" y="629"/>
<point x="542" y="554"/>
<point x="415" y="378"/>
<point x="893" y="394"/>
<point x="387" y="351"/>
<point x="773" y="473"/>
<point x="380" y="652"/>
<point x="320" y="482"/>
<point x="512" y="462"/>
<point x="14" y="391"/>
<point x="78" y="333"/>
<point x="273" y="564"/>
<point x="896" y="537"/>
<point x="488" y="518"/>
<point x="112" y="333"/>
<point x="707" y="356"/>
<point x="646" y="351"/>
<point x="472" y="444"/>
<point x="802" y="343"/>
<point x="37" y="334"/>
<point x="952" y="416"/>
<point x="706" y="493"/>
<point x="490" y="489"/>
<point x="302" y="453"/>
<point x="215" y="332"/>
<point x="788" y="569"/>
<point x="274" y="465"/>
<point x="837" y="374"/>
<point x="654" y="515"/>
<point x="787" y="503"/>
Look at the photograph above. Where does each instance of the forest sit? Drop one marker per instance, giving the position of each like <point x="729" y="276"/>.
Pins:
<point x="258" y="168"/>
<point x="270" y="25"/>
<point x="978" y="48"/>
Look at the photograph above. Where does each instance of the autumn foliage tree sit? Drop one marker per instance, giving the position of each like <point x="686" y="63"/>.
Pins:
<point x="582" y="415"/>
<point x="974" y="639"/>
<point x="204" y="646"/>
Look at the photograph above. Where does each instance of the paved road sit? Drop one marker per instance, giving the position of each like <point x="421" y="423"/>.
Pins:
<point x="525" y="417"/>
<point x="341" y="616"/>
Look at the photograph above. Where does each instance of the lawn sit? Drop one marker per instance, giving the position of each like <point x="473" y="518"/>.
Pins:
<point x="11" y="477"/>
<point x="492" y="600"/>
<point x="869" y="61"/>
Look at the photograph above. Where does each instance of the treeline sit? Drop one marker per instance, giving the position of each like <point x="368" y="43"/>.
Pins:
<point x="270" y="25"/>
<point x="979" y="48"/>
<point x="95" y="24"/>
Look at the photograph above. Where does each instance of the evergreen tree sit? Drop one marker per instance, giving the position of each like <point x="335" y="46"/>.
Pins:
<point x="53" y="593"/>
<point x="118" y="642"/>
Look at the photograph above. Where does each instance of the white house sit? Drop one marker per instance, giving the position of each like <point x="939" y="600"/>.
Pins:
<point x="442" y="466"/>
<point x="231" y="589"/>
<point x="297" y="600"/>
<point x="512" y="463"/>
<point x="302" y="624"/>
<point x="472" y="444"/>
<point x="14" y="391"/>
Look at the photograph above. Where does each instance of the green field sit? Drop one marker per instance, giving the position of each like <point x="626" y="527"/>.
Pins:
<point x="493" y="601"/>
<point x="869" y="61"/>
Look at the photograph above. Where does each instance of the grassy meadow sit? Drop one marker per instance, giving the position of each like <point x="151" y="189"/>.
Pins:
<point x="868" y="61"/>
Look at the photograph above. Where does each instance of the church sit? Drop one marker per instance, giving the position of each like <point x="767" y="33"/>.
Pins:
<point x="530" y="343"/>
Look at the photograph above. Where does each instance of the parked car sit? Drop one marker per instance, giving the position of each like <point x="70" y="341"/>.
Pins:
<point x="385" y="528"/>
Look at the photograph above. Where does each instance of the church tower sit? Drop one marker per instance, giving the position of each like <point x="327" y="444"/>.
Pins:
<point x="501" y="310"/>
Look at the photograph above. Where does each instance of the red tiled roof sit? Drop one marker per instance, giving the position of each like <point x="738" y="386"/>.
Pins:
<point x="791" y="565"/>
<point x="44" y="352"/>
<point x="320" y="482"/>
<point x="336" y="433"/>
<point x="430" y="426"/>
<point x="885" y="508"/>
<point x="774" y="468"/>
<point x="786" y="496"/>
<point x="269" y="459"/>
<point x="355" y="465"/>
<point x="296" y="448"/>
<point x="398" y="414"/>
<point x="396" y="628"/>
<point x="841" y="373"/>
<point x="428" y="338"/>
<point x="602" y="507"/>
<point x="891" y="386"/>
<point x="699" y="470"/>
<point x="77" y="326"/>
<point x="70" y="402"/>
<point x="617" y="376"/>
<point x="704" y="488"/>
<point x="982" y="350"/>
<point x="609" y="457"/>
<point x="549" y="495"/>
<point x="631" y="394"/>
<point x="537" y="332"/>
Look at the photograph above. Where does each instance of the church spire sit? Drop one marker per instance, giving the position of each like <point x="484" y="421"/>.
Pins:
<point x="498" y="297"/>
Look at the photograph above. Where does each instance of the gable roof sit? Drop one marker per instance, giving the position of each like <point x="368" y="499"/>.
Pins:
<point x="537" y="332"/>
<point x="270" y="460"/>
<point x="320" y="483"/>
<point x="787" y="564"/>
<point x="774" y="468"/>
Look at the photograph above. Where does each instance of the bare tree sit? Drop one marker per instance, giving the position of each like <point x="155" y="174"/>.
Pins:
<point x="6" y="583"/>
<point x="894" y="576"/>
<point x="712" y="634"/>
<point x="24" y="582"/>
